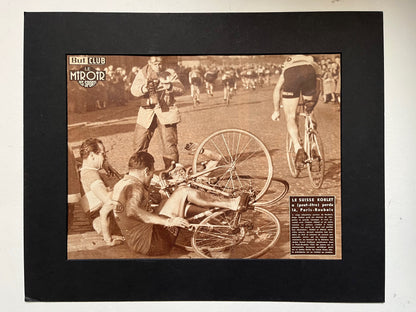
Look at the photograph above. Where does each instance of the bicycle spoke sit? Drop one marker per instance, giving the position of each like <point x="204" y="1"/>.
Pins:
<point x="226" y="146"/>
<point x="238" y="178"/>
<point x="210" y="235"/>
<point x="243" y="155"/>
<point x="219" y="151"/>
<point x="238" y="144"/>
<point x="258" y="231"/>
<point x="248" y="157"/>
<point x="243" y="150"/>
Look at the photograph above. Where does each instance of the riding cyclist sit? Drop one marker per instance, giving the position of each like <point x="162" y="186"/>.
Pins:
<point x="210" y="76"/>
<point x="195" y="80"/>
<point x="228" y="81"/>
<point x="298" y="76"/>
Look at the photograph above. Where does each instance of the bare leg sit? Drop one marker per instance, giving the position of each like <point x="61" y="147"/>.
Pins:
<point x="289" y="107"/>
<point x="175" y="205"/>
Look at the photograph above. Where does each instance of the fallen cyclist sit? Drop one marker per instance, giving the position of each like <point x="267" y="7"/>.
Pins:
<point x="153" y="231"/>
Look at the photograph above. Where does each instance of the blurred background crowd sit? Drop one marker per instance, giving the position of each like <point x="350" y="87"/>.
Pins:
<point x="250" y="72"/>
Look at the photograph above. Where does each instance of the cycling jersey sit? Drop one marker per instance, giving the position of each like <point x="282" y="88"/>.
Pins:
<point x="210" y="76"/>
<point x="228" y="77"/>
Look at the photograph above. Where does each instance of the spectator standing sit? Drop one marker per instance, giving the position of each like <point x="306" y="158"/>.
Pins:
<point x="129" y="81"/>
<point x="337" y="76"/>
<point x="328" y="84"/>
<point x="157" y="89"/>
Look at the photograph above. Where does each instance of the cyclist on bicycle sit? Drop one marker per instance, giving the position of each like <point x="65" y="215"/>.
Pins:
<point x="260" y="74"/>
<point x="210" y="77"/>
<point x="228" y="81"/>
<point x="267" y="74"/>
<point x="251" y="75"/>
<point x="195" y="80"/>
<point x="298" y="76"/>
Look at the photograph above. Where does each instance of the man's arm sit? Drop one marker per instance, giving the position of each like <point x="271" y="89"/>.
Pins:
<point x="176" y="86"/>
<point x="277" y="93"/>
<point x="136" y="211"/>
<point x="139" y="85"/>
<point x="105" y="224"/>
<point x="99" y="190"/>
<point x="276" y="97"/>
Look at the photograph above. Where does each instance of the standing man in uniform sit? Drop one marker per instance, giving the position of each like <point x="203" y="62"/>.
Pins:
<point x="157" y="89"/>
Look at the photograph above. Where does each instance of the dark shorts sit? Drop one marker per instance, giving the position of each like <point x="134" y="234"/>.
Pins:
<point x="230" y="81"/>
<point x="299" y="79"/>
<point x="162" y="241"/>
<point x="210" y="77"/>
<point x="197" y="81"/>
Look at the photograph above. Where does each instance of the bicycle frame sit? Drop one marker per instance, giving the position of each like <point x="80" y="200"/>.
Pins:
<point x="308" y="130"/>
<point x="313" y="147"/>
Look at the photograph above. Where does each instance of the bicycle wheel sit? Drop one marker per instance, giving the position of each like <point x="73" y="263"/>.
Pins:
<point x="242" y="162"/>
<point x="254" y="233"/>
<point x="291" y="156"/>
<point x="316" y="161"/>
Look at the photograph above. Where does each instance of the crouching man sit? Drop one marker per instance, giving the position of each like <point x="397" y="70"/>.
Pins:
<point x="147" y="231"/>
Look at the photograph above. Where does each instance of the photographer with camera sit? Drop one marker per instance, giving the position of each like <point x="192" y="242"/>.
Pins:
<point x="157" y="89"/>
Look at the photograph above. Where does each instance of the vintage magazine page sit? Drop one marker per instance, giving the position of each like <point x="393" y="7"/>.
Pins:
<point x="246" y="150"/>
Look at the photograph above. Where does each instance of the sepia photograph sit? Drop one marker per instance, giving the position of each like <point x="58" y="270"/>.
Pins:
<point x="204" y="156"/>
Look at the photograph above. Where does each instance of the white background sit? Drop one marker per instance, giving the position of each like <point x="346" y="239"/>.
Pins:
<point x="399" y="34"/>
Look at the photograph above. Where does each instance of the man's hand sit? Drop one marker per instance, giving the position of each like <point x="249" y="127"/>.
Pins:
<point x="115" y="240"/>
<point x="155" y="180"/>
<point x="177" y="221"/>
<point x="276" y="115"/>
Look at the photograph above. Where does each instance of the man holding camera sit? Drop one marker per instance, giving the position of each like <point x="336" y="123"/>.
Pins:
<point x="157" y="89"/>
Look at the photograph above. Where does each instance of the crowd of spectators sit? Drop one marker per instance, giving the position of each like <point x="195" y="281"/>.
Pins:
<point x="115" y="90"/>
<point x="330" y="73"/>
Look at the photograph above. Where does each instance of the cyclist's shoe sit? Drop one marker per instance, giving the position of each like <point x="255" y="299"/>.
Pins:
<point x="315" y="155"/>
<point x="300" y="158"/>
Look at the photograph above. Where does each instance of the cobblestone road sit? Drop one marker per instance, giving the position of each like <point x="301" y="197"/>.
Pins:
<point x="249" y="110"/>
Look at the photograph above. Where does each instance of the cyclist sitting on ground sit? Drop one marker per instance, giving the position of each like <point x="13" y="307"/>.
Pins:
<point x="195" y="80"/>
<point x="151" y="232"/>
<point x="298" y="76"/>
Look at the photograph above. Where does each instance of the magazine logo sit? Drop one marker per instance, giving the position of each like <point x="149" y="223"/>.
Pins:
<point x="86" y="60"/>
<point x="87" y="76"/>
